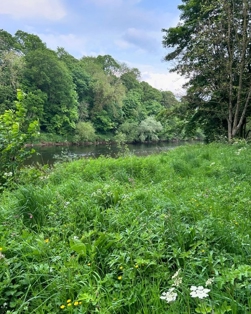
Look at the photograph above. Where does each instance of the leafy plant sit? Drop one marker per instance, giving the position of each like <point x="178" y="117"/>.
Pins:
<point x="15" y="131"/>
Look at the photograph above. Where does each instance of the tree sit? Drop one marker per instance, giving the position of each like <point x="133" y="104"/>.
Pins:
<point x="11" y="70"/>
<point x="46" y="73"/>
<point x="212" y="48"/>
<point x="148" y="129"/>
<point x="15" y="131"/>
<point x="85" y="131"/>
<point x="25" y="42"/>
<point x="106" y="95"/>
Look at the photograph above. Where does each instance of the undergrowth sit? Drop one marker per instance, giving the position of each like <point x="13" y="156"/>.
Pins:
<point x="112" y="235"/>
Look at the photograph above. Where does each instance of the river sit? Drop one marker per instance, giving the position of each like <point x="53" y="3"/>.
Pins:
<point x="47" y="154"/>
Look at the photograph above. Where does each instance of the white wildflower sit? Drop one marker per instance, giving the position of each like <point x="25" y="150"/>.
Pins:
<point x="169" y="296"/>
<point x="177" y="280"/>
<point x="209" y="281"/>
<point x="199" y="292"/>
<point x="176" y="274"/>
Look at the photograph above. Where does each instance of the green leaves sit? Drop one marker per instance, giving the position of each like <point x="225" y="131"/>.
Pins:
<point x="15" y="132"/>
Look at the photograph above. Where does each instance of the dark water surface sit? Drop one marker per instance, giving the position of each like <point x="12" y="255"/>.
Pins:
<point x="46" y="154"/>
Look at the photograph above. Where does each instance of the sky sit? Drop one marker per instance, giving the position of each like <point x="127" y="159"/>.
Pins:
<point x="128" y="30"/>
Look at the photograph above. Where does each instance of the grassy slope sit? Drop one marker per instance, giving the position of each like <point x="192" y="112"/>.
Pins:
<point x="109" y="234"/>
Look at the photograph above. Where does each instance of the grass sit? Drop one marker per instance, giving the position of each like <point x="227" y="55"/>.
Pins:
<point x="111" y="235"/>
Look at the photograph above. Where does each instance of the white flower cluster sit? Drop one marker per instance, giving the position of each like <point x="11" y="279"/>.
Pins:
<point x="169" y="296"/>
<point x="196" y="292"/>
<point x="8" y="174"/>
<point x="199" y="292"/>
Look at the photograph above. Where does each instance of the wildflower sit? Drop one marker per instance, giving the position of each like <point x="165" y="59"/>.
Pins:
<point x="176" y="274"/>
<point x="68" y="301"/>
<point x="75" y="303"/>
<point x="62" y="306"/>
<point x="46" y="240"/>
<point x="1" y="249"/>
<point x="177" y="280"/>
<point x="169" y="296"/>
<point x="121" y="267"/>
<point x="199" y="292"/>
<point x="119" y="277"/>
<point x="136" y="266"/>
<point x="68" y="304"/>
<point x="209" y="281"/>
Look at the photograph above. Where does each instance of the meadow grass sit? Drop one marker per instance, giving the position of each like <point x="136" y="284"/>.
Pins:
<point x="112" y="235"/>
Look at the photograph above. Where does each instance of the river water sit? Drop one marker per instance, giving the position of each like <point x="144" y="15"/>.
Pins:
<point x="51" y="154"/>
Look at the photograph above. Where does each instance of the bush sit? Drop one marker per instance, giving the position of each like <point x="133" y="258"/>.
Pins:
<point x="15" y="131"/>
<point x="85" y="132"/>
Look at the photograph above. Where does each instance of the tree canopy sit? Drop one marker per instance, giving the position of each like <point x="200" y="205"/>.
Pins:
<point x="211" y="47"/>
<point x="78" y="98"/>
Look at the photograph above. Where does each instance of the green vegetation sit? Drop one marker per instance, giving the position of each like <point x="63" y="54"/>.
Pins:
<point x="113" y="235"/>
<point x="81" y="100"/>
<point x="211" y="47"/>
<point x="15" y="131"/>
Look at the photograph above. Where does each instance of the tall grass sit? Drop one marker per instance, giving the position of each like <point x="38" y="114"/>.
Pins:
<point x="111" y="235"/>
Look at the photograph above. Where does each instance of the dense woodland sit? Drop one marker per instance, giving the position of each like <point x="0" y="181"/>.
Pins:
<point x="82" y="99"/>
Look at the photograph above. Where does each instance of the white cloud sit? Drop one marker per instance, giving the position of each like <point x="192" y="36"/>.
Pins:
<point x="48" y="9"/>
<point x="165" y="81"/>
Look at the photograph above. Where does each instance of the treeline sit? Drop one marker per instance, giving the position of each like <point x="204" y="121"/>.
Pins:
<point x="83" y="99"/>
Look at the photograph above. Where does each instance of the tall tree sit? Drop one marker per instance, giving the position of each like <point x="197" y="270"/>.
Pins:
<point x="46" y="73"/>
<point x="212" y="49"/>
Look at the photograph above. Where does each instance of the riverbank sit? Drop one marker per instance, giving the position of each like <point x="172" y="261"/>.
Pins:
<point x="112" y="235"/>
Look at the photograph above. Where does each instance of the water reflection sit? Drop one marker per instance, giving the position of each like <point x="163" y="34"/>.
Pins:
<point x="46" y="154"/>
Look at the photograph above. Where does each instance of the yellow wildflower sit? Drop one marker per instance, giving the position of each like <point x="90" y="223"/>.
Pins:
<point x="1" y="249"/>
<point x="75" y="303"/>
<point x="62" y="306"/>
<point x="121" y="267"/>
<point x="46" y="240"/>
<point x="136" y="266"/>
<point x="68" y="301"/>
<point x="119" y="277"/>
<point x="69" y="304"/>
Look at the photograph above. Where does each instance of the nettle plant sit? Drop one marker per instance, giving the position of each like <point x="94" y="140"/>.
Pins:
<point x="15" y="131"/>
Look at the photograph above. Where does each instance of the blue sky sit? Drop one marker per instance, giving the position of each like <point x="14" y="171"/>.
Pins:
<point x="128" y="30"/>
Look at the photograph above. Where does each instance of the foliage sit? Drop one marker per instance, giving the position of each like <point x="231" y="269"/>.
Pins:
<point x="62" y="91"/>
<point x="15" y="131"/>
<point x="85" y="131"/>
<point x="148" y="129"/>
<point x="115" y="235"/>
<point x="211" y="45"/>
